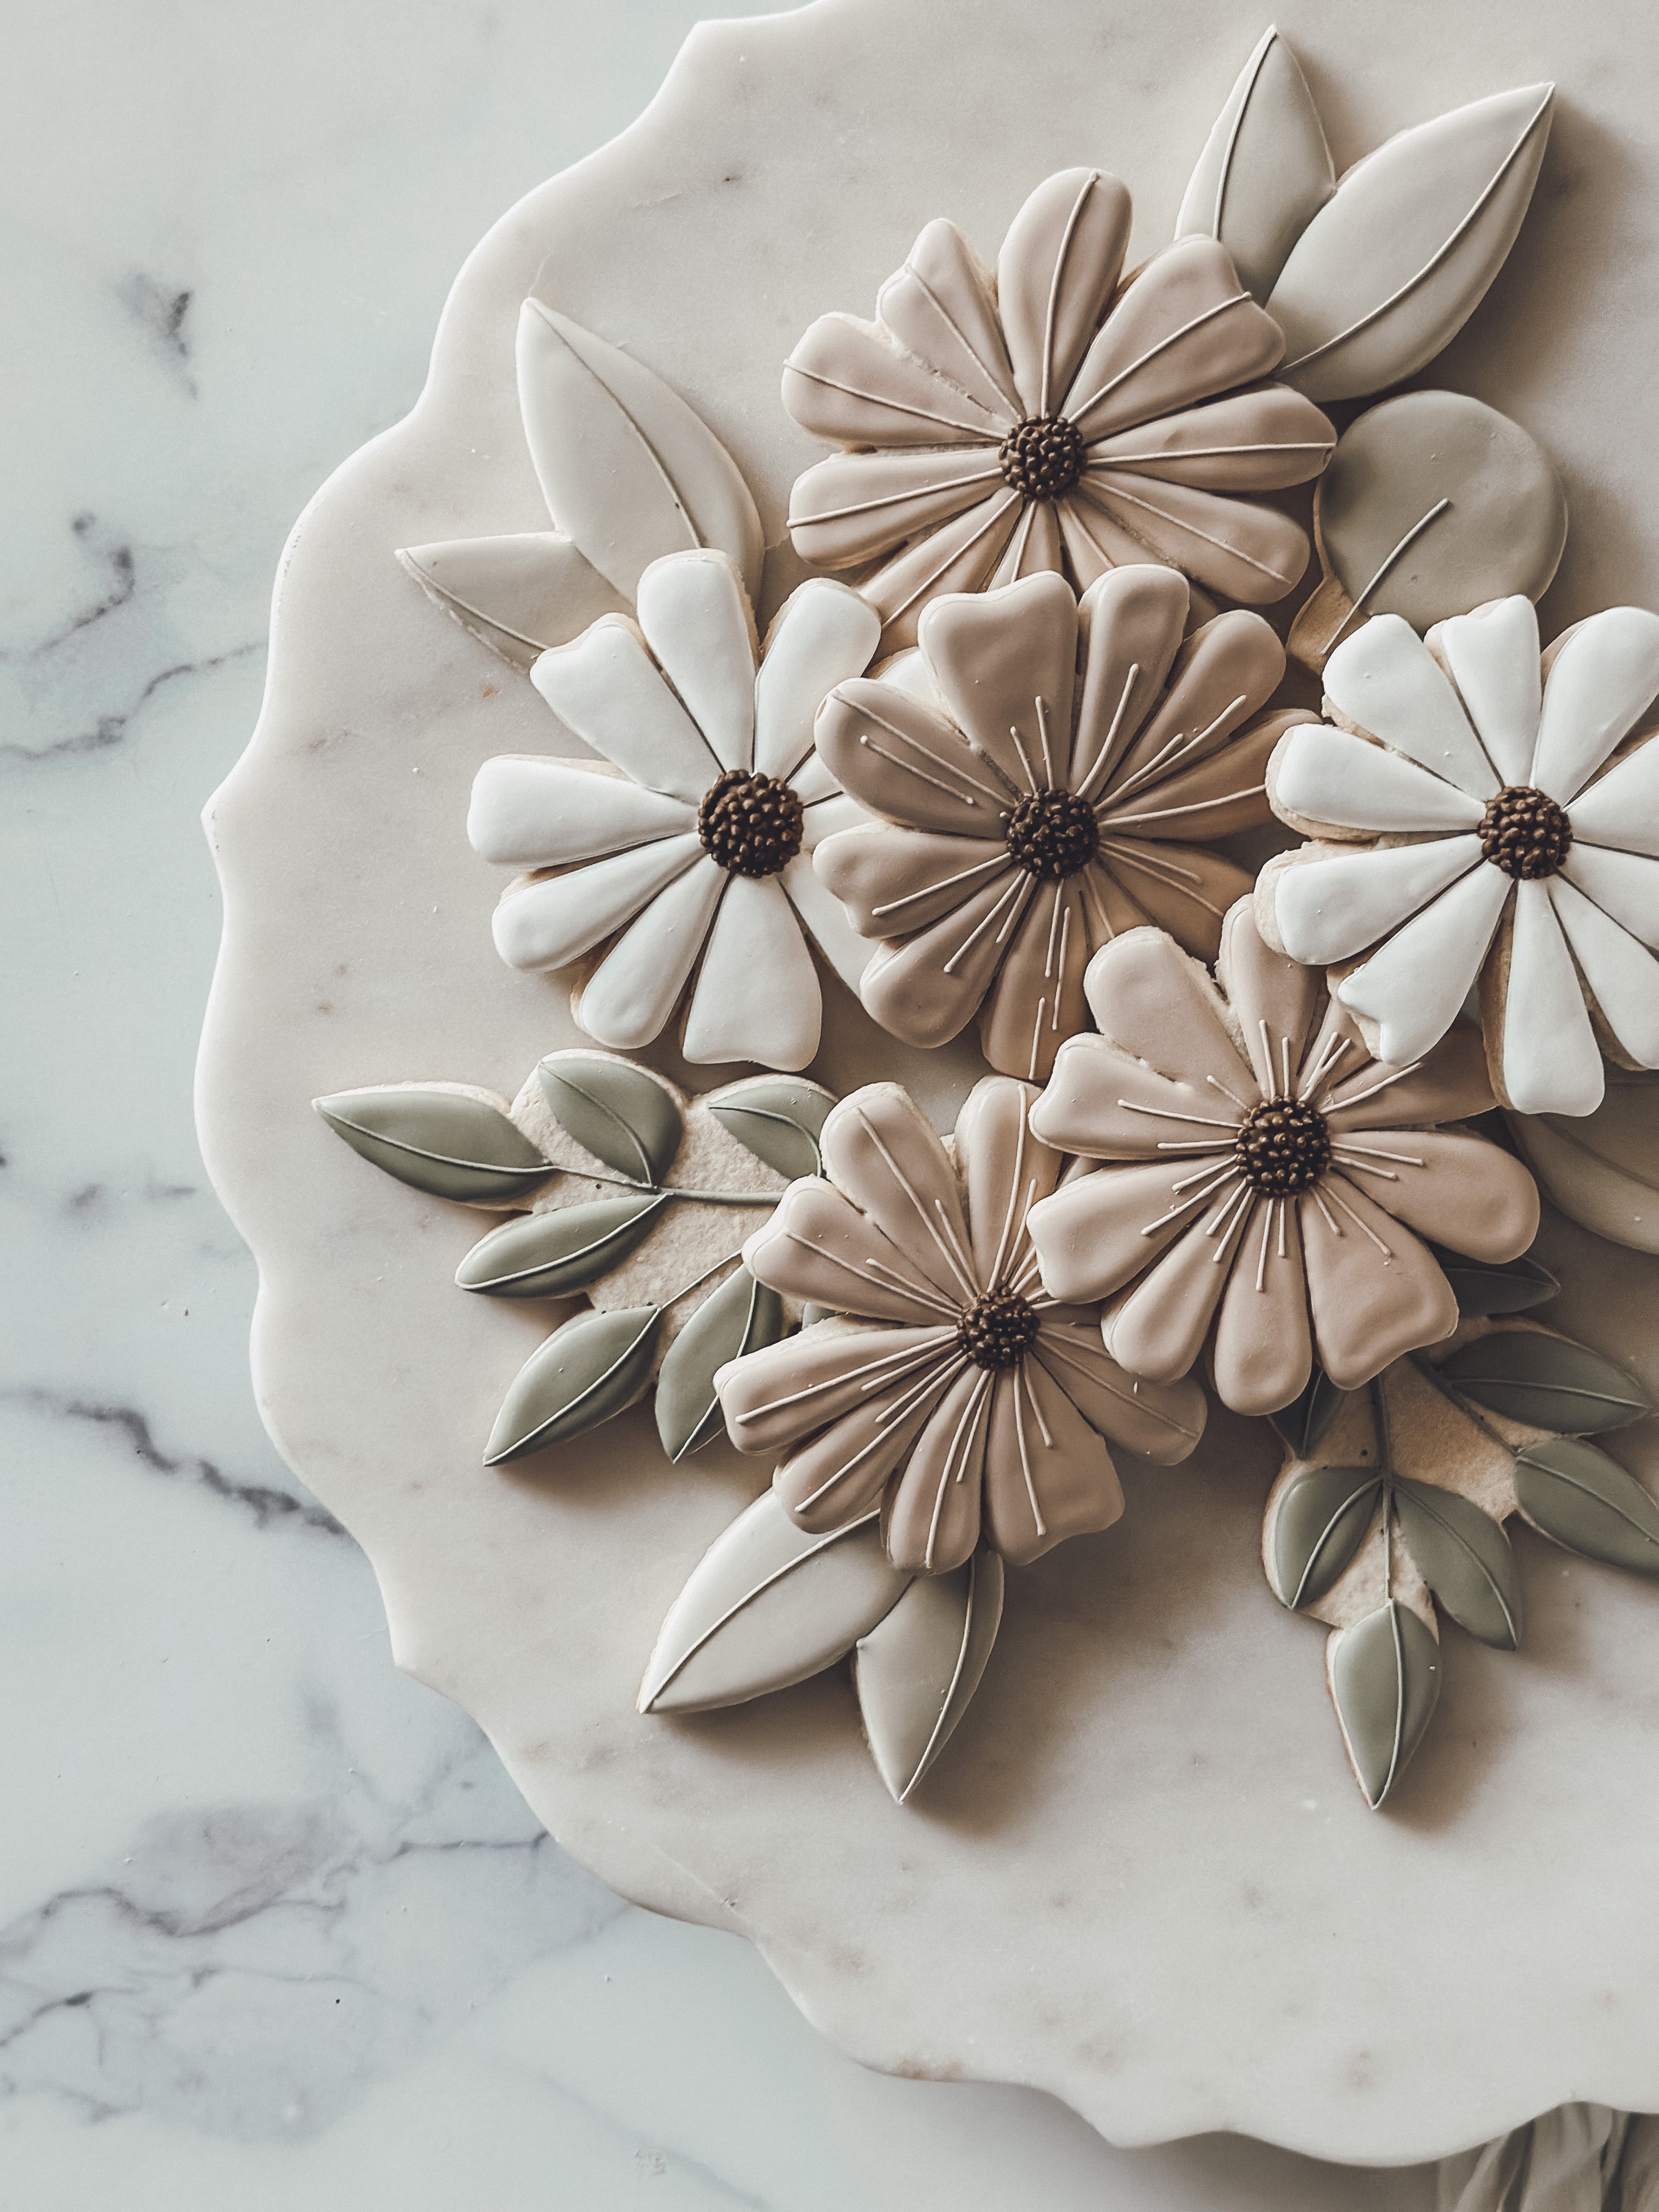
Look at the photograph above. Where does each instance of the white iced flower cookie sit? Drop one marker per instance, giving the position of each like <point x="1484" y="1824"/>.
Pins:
<point x="1507" y="811"/>
<point x="690" y="842"/>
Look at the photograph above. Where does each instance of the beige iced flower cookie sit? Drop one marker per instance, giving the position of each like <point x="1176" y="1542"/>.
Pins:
<point x="1266" y="1184"/>
<point x="1051" y="415"/>
<point x="957" y="1396"/>
<point x="1057" y="784"/>
<point x="1484" y="813"/>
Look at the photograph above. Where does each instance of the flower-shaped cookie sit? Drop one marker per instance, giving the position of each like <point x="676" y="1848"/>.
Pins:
<point x="1268" y="1182"/>
<point x="962" y="1399"/>
<point x="697" y="838"/>
<point x="1051" y="805"/>
<point x="1042" y="417"/>
<point x="1499" y="842"/>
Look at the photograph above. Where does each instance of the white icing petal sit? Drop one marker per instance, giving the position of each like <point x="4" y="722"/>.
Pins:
<point x="606" y="688"/>
<point x="1623" y="808"/>
<point x="1328" y="910"/>
<point x="814" y="779"/>
<point x="548" y="924"/>
<point x="824" y="915"/>
<point x="1622" y="974"/>
<point x="1386" y="679"/>
<point x="536" y="813"/>
<point x="757" y="997"/>
<point x="1551" y="1063"/>
<point x="1413" y="986"/>
<point x="631" y="994"/>
<point x="1604" y="673"/>
<point x="1494" y="658"/>
<point x="825" y="815"/>
<point x="823" y="635"/>
<point x="696" y="620"/>
<point x="1325" y="774"/>
<point x="1623" y="884"/>
<point x="908" y="673"/>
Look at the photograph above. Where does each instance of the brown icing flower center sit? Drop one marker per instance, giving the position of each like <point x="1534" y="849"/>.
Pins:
<point x="997" y="1329"/>
<point x="751" y="825"/>
<point x="1052" y="833"/>
<point x="1282" y="1147"/>
<point x="1524" y="832"/>
<point x="1042" y="458"/>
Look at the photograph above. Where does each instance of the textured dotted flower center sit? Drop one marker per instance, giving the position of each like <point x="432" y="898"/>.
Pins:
<point x="751" y="825"/>
<point x="1282" y="1147"/>
<point x="1524" y="832"/>
<point x="997" y="1329"/>
<point x="1042" y="458"/>
<point x="1053" y="833"/>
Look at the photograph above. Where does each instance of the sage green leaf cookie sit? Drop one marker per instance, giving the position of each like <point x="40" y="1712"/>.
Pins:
<point x="1548" y="1381"/>
<point x="1464" y="1557"/>
<point x="614" y="1110"/>
<point x="1303" y="1422"/>
<point x="1317" y="1528"/>
<point x="1385" y="1681"/>
<point x="554" y="1255"/>
<point x="1489" y="1287"/>
<point x="449" y="1143"/>
<point x="742" y="1316"/>
<point x="778" y="1118"/>
<point x="1586" y="1501"/>
<point x="584" y="1372"/>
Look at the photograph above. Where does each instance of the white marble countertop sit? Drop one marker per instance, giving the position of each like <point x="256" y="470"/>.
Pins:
<point x="275" y="1927"/>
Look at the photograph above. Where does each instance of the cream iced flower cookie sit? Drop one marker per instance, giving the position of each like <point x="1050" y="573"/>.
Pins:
<point x="688" y="842"/>
<point x="1266" y="1184"/>
<point x="1482" y="813"/>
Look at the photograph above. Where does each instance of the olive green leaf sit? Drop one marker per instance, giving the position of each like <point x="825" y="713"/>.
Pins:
<point x="916" y="1671"/>
<point x="1318" y="1522"/>
<point x="1483" y="1286"/>
<point x="778" y="1118"/>
<point x="614" y="1110"/>
<point x="1385" y="1683"/>
<point x="742" y="1316"/>
<point x="1548" y="1381"/>
<point x="766" y="1606"/>
<point x="1305" y="1420"/>
<point x="1464" y="1557"/>
<point x="584" y="1372"/>
<point x="1574" y="1492"/>
<point x="553" y="1256"/>
<point x="442" y="1142"/>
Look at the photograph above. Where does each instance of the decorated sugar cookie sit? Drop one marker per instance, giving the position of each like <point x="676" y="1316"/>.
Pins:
<point x="1266" y="1184"/>
<point x="1484" y="815"/>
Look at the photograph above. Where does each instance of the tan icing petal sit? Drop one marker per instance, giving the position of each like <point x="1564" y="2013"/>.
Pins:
<point x="926" y="988"/>
<point x="1007" y="1169"/>
<point x="855" y="506"/>
<point x="1163" y="1421"/>
<point x="1048" y="1474"/>
<point x="1375" y="1292"/>
<point x="1184" y="889"/>
<point x="1468" y="1194"/>
<point x="1183" y="331"/>
<point x="818" y="1246"/>
<point x="1036" y="999"/>
<point x="1262" y="1352"/>
<point x="1108" y="908"/>
<point x="1244" y="552"/>
<point x="1102" y="1104"/>
<point x="931" y="1513"/>
<point x="847" y="383"/>
<point x="1099" y="1230"/>
<point x="1131" y="621"/>
<point x="1005" y="668"/>
<point x="880" y="1148"/>
<point x="1034" y="550"/>
<point x="940" y="307"/>
<point x="1159" y="1329"/>
<point x="958" y="556"/>
<point x="903" y="759"/>
<point x="893" y="881"/>
<point x="1224" y="672"/>
<point x="1277" y="1003"/>
<point x="774" y="1397"/>
<point x="1218" y="796"/>
<point x="1250" y="441"/>
<point x="1149" y="998"/>
<point x="1057" y="270"/>
<point x="1095" y="546"/>
<point x="840" y="1473"/>
<point x="1451" y="1085"/>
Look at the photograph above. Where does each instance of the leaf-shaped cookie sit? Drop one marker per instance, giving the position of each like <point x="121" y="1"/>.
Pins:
<point x="917" y="1670"/>
<point x="614" y="1110"/>
<point x="768" y="1605"/>
<point x="445" y="1140"/>
<point x="519" y="595"/>
<point x="629" y="471"/>
<point x="1305" y="1420"/>
<point x="584" y="1372"/>
<point x="554" y="1255"/>
<point x="1491" y="1286"/>
<point x="1399" y="256"/>
<point x="1575" y="1493"/>
<point x="1464" y="1557"/>
<point x="1548" y="1381"/>
<point x="1265" y="172"/>
<point x="1385" y="1683"/>
<point x="778" y="1118"/>
<point x="1317" y="1523"/>
<point x="1602" y="1170"/>
<point x="742" y="1316"/>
